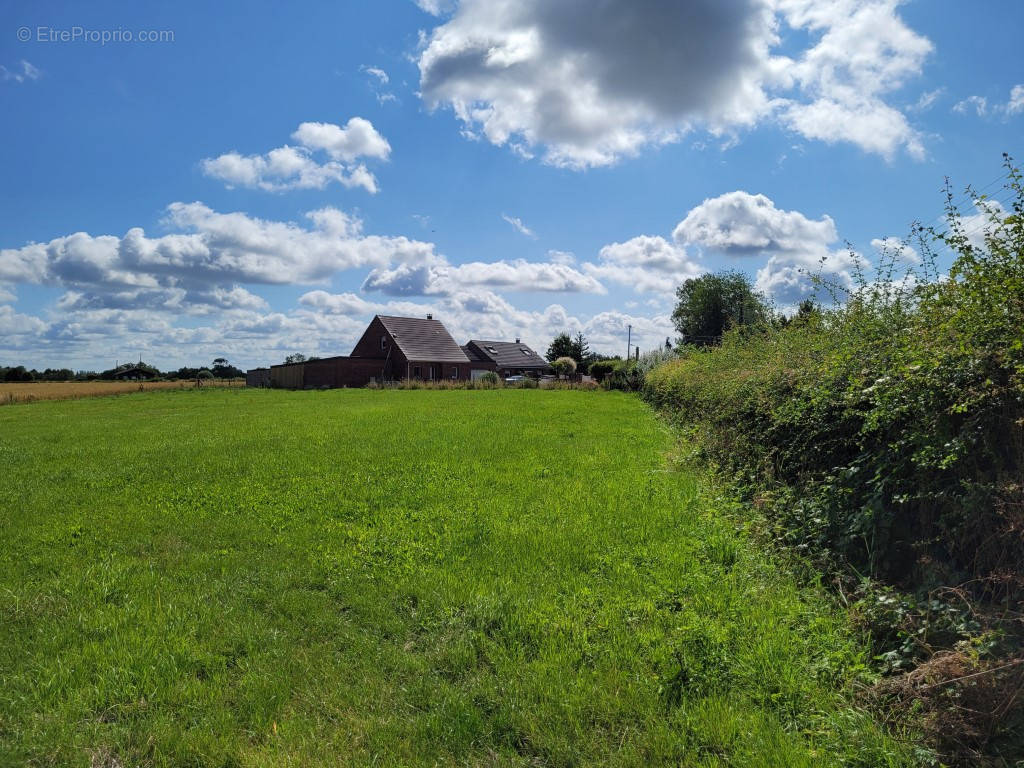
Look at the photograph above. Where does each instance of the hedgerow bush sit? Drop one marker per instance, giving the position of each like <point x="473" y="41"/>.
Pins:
<point x="889" y="429"/>
<point x="885" y="436"/>
<point x="648" y="361"/>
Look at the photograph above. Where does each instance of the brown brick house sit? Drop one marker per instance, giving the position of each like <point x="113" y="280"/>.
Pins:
<point x="390" y="349"/>
<point x="413" y="348"/>
<point x="479" y="364"/>
<point x="509" y="358"/>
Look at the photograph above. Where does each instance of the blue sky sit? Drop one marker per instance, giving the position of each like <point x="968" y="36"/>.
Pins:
<point x="262" y="178"/>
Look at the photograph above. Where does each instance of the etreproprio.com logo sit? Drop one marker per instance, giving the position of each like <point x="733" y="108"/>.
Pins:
<point x="77" y="34"/>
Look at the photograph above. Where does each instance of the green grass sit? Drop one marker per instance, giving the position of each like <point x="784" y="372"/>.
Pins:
<point x="396" y="578"/>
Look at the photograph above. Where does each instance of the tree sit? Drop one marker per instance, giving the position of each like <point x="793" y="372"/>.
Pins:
<point x="580" y="349"/>
<point x="18" y="373"/>
<point x="564" y="366"/>
<point x="561" y="346"/>
<point x="565" y="345"/>
<point x="298" y="357"/>
<point x="710" y="304"/>
<point x="222" y="369"/>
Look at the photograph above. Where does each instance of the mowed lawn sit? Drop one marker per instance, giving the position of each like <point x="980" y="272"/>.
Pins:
<point x="518" y="577"/>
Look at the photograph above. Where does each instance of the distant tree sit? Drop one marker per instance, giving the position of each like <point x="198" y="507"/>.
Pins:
<point x="710" y="304"/>
<point x="298" y="357"/>
<point x="561" y="346"/>
<point x="807" y="309"/>
<point x="668" y="343"/>
<point x="564" y="366"/>
<point x="580" y="349"/>
<point x="577" y="347"/>
<point x="57" y="374"/>
<point x="18" y="373"/>
<point x="185" y="373"/>
<point x="224" y="370"/>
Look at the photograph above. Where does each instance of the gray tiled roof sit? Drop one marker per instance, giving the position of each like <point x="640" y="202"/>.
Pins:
<point x="423" y="340"/>
<point x="509" y="354"/>
<point x="474" y="356"/>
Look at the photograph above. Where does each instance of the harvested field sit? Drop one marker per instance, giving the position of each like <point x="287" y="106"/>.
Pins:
<point x="30" y="391"/>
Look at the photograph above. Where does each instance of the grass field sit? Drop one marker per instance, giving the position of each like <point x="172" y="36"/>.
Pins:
<point x="31" y="391"/>
<point x="513" y="578"/>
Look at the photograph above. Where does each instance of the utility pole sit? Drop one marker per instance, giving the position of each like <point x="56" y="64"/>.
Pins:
<point x="629" y="341"/>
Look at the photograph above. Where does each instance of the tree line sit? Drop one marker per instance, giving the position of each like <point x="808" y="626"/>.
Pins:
<point x="220" y="369"/>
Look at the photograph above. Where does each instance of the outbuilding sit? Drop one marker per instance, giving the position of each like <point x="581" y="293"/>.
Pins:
<point x="257" y="377"/>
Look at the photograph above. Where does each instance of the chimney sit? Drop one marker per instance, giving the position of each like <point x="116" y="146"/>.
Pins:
<point x="517" y="340"/>
<point x="430" y="317"/>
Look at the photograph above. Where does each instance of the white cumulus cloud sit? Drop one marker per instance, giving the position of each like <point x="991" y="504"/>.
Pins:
<point x="295" y="167"/>
<point x="790" y="249"/>
<point x="646" y="263"/>
<point x="437" y="277"/>
<point x="205" y="262"/>
<point x="591" y="83"/>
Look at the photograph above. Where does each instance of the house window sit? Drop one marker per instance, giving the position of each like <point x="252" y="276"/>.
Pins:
<point x="383" y="342"/>
<point x="455" y="371"/>
<point x="433" y="372"/>
<point x="416" y="372"/>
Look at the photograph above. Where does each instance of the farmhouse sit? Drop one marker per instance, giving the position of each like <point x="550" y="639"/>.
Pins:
<point x="391" y="348"/>
<point x="136" y="373"/>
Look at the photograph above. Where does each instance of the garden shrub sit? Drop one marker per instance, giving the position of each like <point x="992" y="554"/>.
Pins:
<point x="599" y="369"/>
<point x="625" y="375"/>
